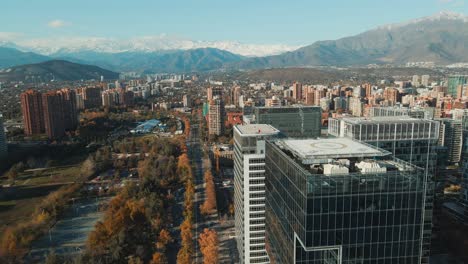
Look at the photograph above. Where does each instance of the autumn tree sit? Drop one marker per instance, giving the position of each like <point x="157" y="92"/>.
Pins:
<point x="210" y="202"/>
<point x="159" y="258"/>
<point x="209" y="244"/>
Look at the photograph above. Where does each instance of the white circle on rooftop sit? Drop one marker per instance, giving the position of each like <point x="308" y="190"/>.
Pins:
<point x="328" y="145"/>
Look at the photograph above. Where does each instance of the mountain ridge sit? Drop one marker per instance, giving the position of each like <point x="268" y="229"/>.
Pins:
<point x="59" y="70"/>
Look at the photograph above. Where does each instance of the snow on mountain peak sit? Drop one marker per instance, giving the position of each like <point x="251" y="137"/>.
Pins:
<point x="144" y="44"/>
<point x="442" y="15"/>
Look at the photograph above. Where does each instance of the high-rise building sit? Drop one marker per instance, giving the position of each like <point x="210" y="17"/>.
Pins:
<point x="451" y="137"/>
<point x="186" y="101"/>
<point x="216" y="116"/>
<point x="297" y="91"/>
<point x="339" y="103"/>
<point x="53" y="104"/>
<point x="342" y="201"/>
<point x="454" y="82"/>
<point x="211" y="92"/>
<point x="409" y="139"/>
<point x="249" y="190"/>
<point x="3" y="141"/>
<point x="292" y="121"/>
<point x="236" y="93"/>
<point x="392" y="95"/>
<point x="33" y="114"/>
<point x="356" y="106"/>
<point x="464" y="191"/>
<point x="92" y="97"/>
<point x="368" y="89"/>
<point x="425" y="80"/>
<point x="70" y="112"/>
<point x="415" y="81"/>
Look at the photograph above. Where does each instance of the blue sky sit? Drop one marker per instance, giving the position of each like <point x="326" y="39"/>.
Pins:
<point x="256" y="21"/>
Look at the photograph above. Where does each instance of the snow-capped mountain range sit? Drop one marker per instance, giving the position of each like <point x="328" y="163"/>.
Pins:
<point x="51" y="46"/>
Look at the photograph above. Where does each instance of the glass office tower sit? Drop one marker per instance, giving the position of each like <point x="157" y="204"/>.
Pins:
<point x="293" y="121"/>
<point x="3" y="141"/>
<point x="342" y="201"/>
<point x="454" y="83"/>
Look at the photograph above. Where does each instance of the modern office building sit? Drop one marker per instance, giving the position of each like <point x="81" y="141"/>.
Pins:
<point x="216" y="114"/>
<point x="426" y="113"/>
<point x="342" y="201"/>
<point x="249" y="190"/>
<point x="409" y="139"/>
<point x="454" y="83"/>
<point x="464" y="166"/>
<point x="451" y="137"/>
<point x="33" y="114"/>
<point x="292" y="121"/>
<point x="3" y="141"/>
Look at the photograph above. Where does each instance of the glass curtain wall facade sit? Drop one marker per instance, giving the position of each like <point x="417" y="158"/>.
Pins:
<point x="353" y="218"/>
<point x="294" y="121"/>
<point x="409" y="139"/>
<point x="3" y="141"/>
<point x="454" y="82"/>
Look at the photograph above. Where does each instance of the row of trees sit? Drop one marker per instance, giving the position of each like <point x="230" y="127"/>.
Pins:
<point x="209" y="205"/>
<point x="185" y="254"/>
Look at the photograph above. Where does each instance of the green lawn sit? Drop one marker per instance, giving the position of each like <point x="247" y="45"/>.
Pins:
<point x="55" y="175"/>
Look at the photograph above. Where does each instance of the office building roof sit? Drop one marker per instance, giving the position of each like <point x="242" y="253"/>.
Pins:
<point x="256" y="130"/>
<point x="311" y="150"/>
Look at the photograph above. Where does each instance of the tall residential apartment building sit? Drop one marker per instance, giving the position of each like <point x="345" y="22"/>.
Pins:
<point x="342" y="201"/>
<point x="212" y="92"/>
<point x="53" y="103"/>
<point x="70" y="110"/>
<point x="292" y="121"/>
<point x="3" y="141"/>
<point x="249" y="190"/>
<point x="33" y="114"/>
<point x="92" y="97"/>
<point x="451" y="137"/>
<point x="216" y="116"/>
<point x="52" y="113"/>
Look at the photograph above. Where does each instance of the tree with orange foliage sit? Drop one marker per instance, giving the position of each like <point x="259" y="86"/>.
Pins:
<point x="209" y="244"/>
<point x="186" y="251"/>
<point x="164" y="238"/>
<point x="210" y="202"/>
<point x="158" y="258"/>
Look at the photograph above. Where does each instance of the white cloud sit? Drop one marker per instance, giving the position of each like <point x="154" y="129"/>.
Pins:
<point x="9" y="36"/>
<point x="56" y="23"/>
